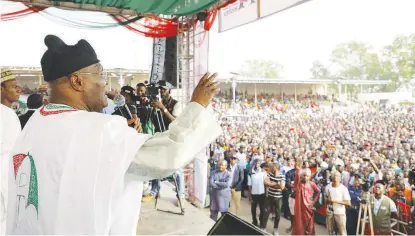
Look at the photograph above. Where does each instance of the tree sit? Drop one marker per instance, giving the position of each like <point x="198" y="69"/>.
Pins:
<point x="320" y="71"/>
<point x="261" y="69"/>
<point x="399" y="60"/>
<point x="356" y="61"/>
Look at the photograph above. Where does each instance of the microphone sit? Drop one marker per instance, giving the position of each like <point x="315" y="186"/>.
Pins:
<point x="119" y="101"/>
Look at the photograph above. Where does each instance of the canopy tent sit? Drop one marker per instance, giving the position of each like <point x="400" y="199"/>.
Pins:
<point x="136" y="7"/>
<point x="234" y="80"/>
<point x="151" y="18"/>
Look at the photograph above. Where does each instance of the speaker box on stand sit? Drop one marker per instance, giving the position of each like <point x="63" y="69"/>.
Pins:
<point x="229" y="224"/>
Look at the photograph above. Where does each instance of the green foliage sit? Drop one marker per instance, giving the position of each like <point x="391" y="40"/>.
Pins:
<point x="320" y="71"/>
<point x="359" y="61"/>
<point x="261" y="69"/>
<point x="407" y="103"/>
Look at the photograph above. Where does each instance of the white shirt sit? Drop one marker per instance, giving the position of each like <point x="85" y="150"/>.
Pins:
<point x="285" y="169"/>
<point x="242" y="159"/>
<point x="110" y="108"/>
<point x="256" y="181"/>
<point x="339" y="193"/>
<point x="10" y="130"/>
<point x="232" y="170"/>
<point x="177" y="109"/>
<point x="78" y="172"/>
<point x="376" y="205"/>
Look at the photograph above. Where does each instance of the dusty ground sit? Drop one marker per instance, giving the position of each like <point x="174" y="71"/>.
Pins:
<point x="195" y="221"/>
<point x="284" y="224"/>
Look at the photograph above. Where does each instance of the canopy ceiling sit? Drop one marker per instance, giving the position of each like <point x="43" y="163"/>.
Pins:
<point x="133" y="7"/>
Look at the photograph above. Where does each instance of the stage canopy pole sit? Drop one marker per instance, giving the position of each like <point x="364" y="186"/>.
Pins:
<point x="295" y="93"/>
<point x="186" y="82"/>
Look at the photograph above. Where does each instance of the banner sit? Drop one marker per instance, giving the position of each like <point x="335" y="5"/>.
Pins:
<point x="269" y="7"/>
<point x="159" y="52"/>
<point x="164" y="60"/>
<point x="246" y="11"/>
<point x="239" y="13"/>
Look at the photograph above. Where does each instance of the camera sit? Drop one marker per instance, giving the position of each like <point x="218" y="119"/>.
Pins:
<point x="152" y="94"/>
<point x="411" y="177"/>
<point x="365" y="186"/>
<point x="153" y="91"/>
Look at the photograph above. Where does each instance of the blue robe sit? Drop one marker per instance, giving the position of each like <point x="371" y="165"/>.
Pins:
<point x="220" y="193"/>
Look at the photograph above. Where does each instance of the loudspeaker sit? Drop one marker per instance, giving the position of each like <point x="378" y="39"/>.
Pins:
<point x="170" y="62"/>
<point x="230" y="224"/>
<point x="164" y="60"/>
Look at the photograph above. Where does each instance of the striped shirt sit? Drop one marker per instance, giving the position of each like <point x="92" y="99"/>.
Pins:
<point x="273" y="192"/>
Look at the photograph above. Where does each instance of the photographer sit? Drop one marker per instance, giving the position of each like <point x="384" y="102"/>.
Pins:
<point x="165" y="112"/>
<point x="168" y="108"/>
<point x="142" y="103"/>
<point x="352" y="211"/>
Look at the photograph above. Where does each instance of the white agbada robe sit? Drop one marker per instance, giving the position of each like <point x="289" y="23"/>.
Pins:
<point x="10" y="130"/>
<point x="78" y="172"/>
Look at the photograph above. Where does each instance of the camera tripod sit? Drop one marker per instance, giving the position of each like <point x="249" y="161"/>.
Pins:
<point x="367" y="211"/>
<point x="177" y="196"/>
<point x="162" y="128"/>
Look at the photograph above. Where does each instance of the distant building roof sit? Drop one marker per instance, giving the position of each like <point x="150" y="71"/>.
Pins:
<point x="243" y="80"/>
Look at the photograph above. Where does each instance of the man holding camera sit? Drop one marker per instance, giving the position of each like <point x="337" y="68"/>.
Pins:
<point x="166" y="112"/>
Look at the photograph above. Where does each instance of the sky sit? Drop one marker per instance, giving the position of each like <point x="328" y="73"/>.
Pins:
<point x="294" y="38"/>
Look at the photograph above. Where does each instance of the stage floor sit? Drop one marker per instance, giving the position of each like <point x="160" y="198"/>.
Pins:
<point x="153" y="222"/>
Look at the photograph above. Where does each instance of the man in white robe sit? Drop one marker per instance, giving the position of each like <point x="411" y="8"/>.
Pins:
<point x="10" y="130"/>
<point x="77" y="171"/>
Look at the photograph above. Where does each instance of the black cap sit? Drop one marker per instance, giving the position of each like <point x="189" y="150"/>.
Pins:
<point x="359" y="175"/>
<point x="128" y="89"/>
<point x="381" y="182"/>
<point x="61" y="59"/>
<point x="34" y="101"/>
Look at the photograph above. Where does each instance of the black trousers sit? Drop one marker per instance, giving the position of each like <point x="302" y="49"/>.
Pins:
<point x="285" y="205"/>
<point x="352" y="215"/>
<point x="273" y="204"/>
<point x="258" y="200"/>
<point x="245" y="183"/>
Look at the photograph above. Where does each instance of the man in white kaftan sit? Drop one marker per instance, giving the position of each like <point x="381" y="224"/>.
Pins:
<point x="79" y="172"/>
<point x="10" y="130"/>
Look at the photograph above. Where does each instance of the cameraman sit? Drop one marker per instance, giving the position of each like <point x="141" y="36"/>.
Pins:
<point x="168" y="108"/>
<point x="142" y="104"/>
<point x="166" y="112"/>
<point x="355" y="191"/>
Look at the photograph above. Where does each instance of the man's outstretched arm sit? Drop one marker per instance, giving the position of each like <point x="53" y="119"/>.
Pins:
<point x="164" y="153"/>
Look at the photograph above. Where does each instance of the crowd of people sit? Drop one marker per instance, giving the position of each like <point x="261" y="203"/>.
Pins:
<point x="306" y="160"/>
<point x="295" y="158"/>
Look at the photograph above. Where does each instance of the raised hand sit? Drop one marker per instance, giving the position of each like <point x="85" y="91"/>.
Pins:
<point x="205" y="90"/>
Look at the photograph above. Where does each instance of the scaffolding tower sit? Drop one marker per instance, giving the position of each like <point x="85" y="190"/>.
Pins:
<point x="186" y="82"/>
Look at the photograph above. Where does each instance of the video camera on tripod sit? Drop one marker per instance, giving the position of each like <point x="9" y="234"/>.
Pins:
<point x="411" y="177"/>
<point x="152" y="95"/>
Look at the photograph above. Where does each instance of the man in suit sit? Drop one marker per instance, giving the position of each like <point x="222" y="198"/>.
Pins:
<point x="34" y="101"/>
<point x="237" y="173"/>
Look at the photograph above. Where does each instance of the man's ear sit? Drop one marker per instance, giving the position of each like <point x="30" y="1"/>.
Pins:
<point x="77" y="82"/>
